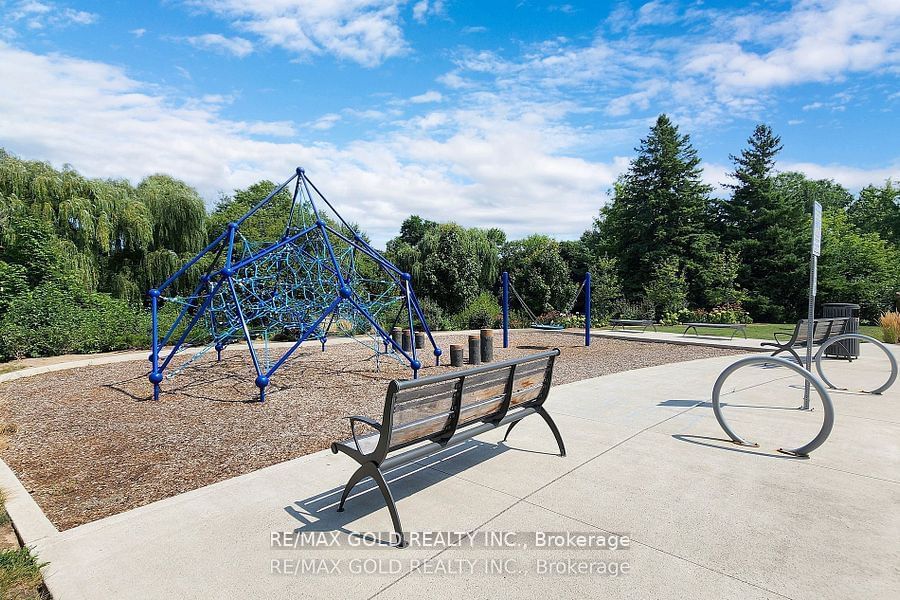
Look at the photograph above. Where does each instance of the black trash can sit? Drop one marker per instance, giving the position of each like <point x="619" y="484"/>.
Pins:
<point x="848" y="349"/>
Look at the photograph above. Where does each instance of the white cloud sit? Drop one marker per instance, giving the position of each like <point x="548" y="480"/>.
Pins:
<point x="474" y="29"/>
<point x="853" y="178"/>
<point x="795" y="122"/>
<point x="563" y="8"/>
<point x="817" y="41"/>
<point x="494" y="163"/>
<point x="236" y="46"/>
<point x="427" y="97"/>
<point x="138" y="33"/>
<point x="37" y="16"/>
<point x="657" y="12"/>
<point x="425" y="8"/>
<point x="325" y="122"/>
<point x="419" y="10"/>
<point x="363" y="31"/>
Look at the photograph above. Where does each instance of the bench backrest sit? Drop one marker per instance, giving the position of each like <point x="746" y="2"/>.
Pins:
<point x="433" y="408"/>
<point x="822" y="329"/>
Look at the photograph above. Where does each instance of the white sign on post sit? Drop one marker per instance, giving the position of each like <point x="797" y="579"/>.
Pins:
<point x="813" y="285"/>
<point x="817" y="230"/>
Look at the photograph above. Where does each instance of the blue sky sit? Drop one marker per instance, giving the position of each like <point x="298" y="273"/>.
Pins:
<point x="518" y="114"/>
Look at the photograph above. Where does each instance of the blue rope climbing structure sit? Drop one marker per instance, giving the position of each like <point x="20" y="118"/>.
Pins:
<point x="320" y="277"/>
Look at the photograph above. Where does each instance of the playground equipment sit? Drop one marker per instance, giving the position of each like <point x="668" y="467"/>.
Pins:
<point x="507" y="287"/>
<point x="320" y="276"/>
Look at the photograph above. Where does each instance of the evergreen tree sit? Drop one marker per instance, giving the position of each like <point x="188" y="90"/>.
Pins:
<point x="765" y="222"/>
<point x="660" y="211"/>
<point x="753" y="192"/>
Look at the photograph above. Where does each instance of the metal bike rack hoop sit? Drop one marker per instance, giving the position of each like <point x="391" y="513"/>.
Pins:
<point x="828" y="407"/>
<point x="857" y="336"/>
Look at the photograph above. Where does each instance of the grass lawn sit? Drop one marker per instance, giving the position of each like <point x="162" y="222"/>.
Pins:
<point x="762" y="331"/>
<point x="20" y="572"/>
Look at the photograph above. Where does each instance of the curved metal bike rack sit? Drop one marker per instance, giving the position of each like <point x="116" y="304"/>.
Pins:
<point x="827" y="421"/>
<point x="857" y="336"/>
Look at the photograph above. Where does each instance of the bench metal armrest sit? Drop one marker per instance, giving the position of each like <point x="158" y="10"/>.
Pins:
<point x="785" y="334"/>
<point x="371" y="423"/>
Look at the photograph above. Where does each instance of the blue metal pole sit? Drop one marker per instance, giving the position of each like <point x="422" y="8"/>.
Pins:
<point x="303" y="338"/>
<point x="265" y="200"/>
<point x="437" y="349"/>
<point x="190" y="326"/>
<point x="243" y="321"/>
<point x="384" y="335"/>
<point x="505" y="279"/>
<point x="587" y="309"/>
<point x="270" y="249"/>
<point x="155" y="376"/>
<point x="412" y="328"/>
<point x="191" y="262"/>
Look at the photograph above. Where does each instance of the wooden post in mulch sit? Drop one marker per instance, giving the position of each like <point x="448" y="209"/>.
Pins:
<point x="474" y="350"/>
<point x="407" y="343"/>
<point x="456" y="355"/>
<point x="487" y="345"/>
<point x="420" y="340"/>
<point x="397" y="336"/>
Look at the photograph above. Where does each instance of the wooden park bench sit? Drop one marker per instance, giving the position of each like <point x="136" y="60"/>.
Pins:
<point x="735" y="328"/>
<point x="623" y="323"/>
<point x="823" y="329"/>
<point x="433" y="413"/>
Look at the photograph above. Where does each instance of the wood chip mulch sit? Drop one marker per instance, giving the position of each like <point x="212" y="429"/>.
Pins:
<point x="88" y="443"/>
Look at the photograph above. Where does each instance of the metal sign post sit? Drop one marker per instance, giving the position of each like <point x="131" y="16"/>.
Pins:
<point x="813" y="285"/>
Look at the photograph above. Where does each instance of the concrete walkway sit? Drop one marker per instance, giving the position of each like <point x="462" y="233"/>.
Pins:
<point x="714" y="341"/>
<point x="704" y="518"/>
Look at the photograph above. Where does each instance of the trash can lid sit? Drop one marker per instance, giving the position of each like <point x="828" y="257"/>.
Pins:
<point x="842" y="304"/>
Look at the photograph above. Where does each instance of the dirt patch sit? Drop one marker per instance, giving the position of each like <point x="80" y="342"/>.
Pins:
<point x="88" y="443"/>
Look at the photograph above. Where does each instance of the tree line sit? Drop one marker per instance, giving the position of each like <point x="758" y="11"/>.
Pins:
<point x="78" y="254"/>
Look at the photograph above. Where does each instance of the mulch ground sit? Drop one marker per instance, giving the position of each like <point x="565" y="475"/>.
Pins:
<point x="89" y="443"/>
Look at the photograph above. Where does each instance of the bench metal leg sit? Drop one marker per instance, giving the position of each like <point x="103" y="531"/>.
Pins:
<point x="546" y="416"/>
<point x="358" y="476"/>
<point x="392" y="507"/>
<point x="540" y="410"/>
<point x="370" y="470"/>
<point x="509" y="429"/>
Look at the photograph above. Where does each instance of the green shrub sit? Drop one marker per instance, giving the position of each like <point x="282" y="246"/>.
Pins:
<point x="727" y="313"/>
<point x="481" y="313"/>
<point x="437" y="319"/>
<point x="56" y="318"/>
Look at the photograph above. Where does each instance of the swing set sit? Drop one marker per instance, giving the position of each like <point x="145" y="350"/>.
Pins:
<point x="536" y="323"/>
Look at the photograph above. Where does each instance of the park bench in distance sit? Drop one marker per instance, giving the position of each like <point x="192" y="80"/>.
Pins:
<point x="735" y="328"/>
<point x="623" y="323"/>
<point x="434" y="413"/>
<point x="823" y="329"/>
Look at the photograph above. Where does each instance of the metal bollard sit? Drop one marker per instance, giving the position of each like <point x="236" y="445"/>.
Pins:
<point x="487" y="345"/>
<point x="474" y="350"/>
<point x="420" y="340"/>
<point x="456" y="355"/>
<point x="406" y="342"/>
